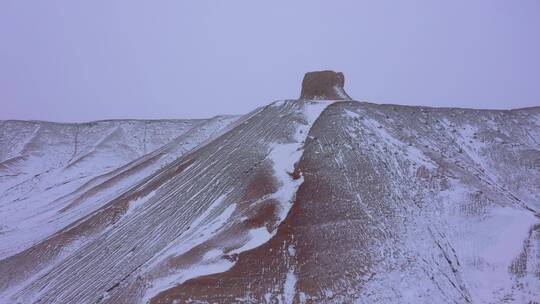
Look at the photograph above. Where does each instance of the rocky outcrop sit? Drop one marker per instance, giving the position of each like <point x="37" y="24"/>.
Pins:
<point x="324" y="85"/>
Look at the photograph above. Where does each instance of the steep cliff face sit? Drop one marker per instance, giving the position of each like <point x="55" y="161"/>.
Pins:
<point x="324" y="85"/>
<point x="307" y="201"/>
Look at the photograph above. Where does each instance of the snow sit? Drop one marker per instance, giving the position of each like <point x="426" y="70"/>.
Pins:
<point x="302" y="297"/>
<point x="268" y="297"/>
<point x="383" y="138"/>
<point x="201" y="229"/>
<point x="289" y="288"/>
<point x="497" y="241"/>
<point x="340" y="92"/>
<point x="5" y="295"/>
<point x="283" y="156"/>
<point x="63" y="163"/>
<point x="291" y="250"/>
<point x="137" y="203"/>
<point x="257" y="237"/>
<point x="168" y="282"/>
<point x="313" y="109"/>
<point x="482" y="246"/>
<point x="351" y="114"/>
<point x="278" y="103"/>
<point x="450" y="234"/>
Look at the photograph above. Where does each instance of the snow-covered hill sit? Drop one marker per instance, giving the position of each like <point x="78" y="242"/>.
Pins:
<point x="317" y="200"/>
<point x="47" y="168"/>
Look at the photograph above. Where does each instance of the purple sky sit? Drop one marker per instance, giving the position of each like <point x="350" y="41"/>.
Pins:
<point x="100" y="59"/>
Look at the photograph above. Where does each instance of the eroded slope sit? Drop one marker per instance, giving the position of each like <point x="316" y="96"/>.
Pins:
<point x="400" y="204"/>
<point x="53" y="174"/>
<point x="311" y="202"/>
<point x="192" y="217"/>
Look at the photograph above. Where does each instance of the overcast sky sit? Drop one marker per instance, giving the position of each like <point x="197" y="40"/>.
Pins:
<point x="100" y="59"/>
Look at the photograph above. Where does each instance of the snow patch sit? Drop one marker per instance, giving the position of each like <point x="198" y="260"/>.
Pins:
<point x="382" y="136"/>
<point x="135" y="204"/>
<point x="289" y="287"/>
<point x="257" y="237"/>
<point x="351" y="114"/>
<point x="498" y="241"/>
<point x="168" y="282"/>
<point x="285" y="156"/>
<point x="291" y="250"/>
<point x="340" y="92"/>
